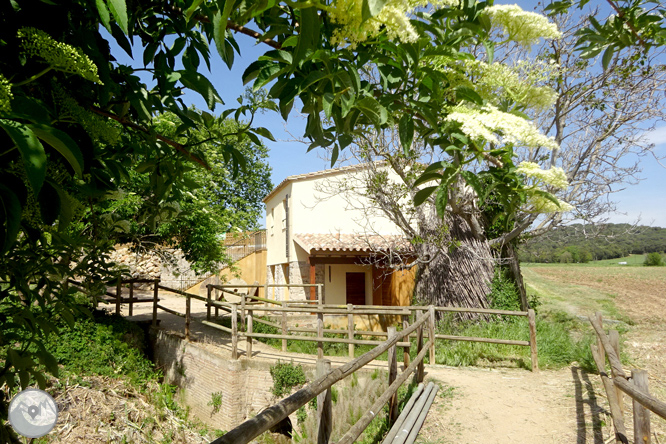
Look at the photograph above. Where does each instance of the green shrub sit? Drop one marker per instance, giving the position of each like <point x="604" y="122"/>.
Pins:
<point x="106" y="345"/>
<point x="503" y="292"/>
<point x="285" y="377"/>
<point x="653" y="260"/>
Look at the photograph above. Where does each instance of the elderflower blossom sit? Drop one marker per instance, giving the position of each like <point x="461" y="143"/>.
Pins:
<point x="60" y="56"/>
<point x="540" y="204"/>
<point x="6" y="95"/>
<point x="522" y="27"/>
<point x="487" y="122"/>
<point x="96" y="127"/>
<point x="393" y="18"/>
<point x="555" y="176"/>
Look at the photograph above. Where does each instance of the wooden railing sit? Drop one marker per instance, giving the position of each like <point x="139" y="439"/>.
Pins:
<point x="424" y="317"/>
<point x="618" y="383"/>
<point x="321" y="388"/>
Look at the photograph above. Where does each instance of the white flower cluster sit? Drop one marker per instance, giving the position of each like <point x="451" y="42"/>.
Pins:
<point x="540" y="204"/>
<point x="555" y="176"/>
<point x="522" y="27"/>
<point x="60" y="56"/>
<point x="6" y="95"/>
<point x="489" y="123"/>
<point x="393" y="18"/>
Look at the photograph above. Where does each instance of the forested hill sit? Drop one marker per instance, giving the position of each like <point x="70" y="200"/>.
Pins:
<point x="576" y="243"/>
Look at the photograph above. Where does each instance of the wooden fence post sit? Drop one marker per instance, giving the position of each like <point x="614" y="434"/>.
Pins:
<point x="131" y="298"/>
<point x="242" y="311"/>
<point x="614" y="339"/>
<point x="155" y="294"/>
<point x="392" y="374"/>
<point x="119" y="294"/>
<point x="531" y="317"/>
<point x="431" y="332"/>
<point x="600" y="345"/>
<point x="641" y="414"/>
<point x="405" y="350"/>
<point x="234" y="331"/>
<point x="350" y="327"/>
<point x="419" y="346"/>
<point x="324" y="405"/>
<point x="284" y="325"/>
<point x="187" y="316"/>
<point x="248" y="347"/>
<point x="209" y="288"/>
<point x="320" y="334"/>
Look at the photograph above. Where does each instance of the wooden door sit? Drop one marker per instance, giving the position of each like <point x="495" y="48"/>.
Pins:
<point x="356" y="288"/>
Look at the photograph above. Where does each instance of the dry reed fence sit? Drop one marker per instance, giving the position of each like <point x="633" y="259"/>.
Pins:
<point x="619" y="384"/>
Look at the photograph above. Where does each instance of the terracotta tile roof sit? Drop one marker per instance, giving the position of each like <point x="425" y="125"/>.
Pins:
<point x="350" y="243"/>
<point x="314" y="174"/>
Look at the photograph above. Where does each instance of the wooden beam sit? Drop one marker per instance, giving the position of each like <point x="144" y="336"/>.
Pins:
<point x="354" y="260"/>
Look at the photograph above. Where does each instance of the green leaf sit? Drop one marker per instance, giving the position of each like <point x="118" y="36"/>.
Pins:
<point x="465" y="93"/>
<point x="266" y="75"/>
<point x="308" y="36"/>
<point x="441" y="199"/>
<point x="607" y="57"/>
<point x="473" y="181"/>
<point x="119" y="10"/>
<point x="427" y="177"/>
<point x="406" y="132"/>
<point x="328" y="101"/>
<point x="334" y="155"/>
<point x="31" y="149"/>
<point x="10" y="218"/>
<point x="104" y="16"/>
<point x="193" y="7"/>
<point x="263" y="132"/>
<point x="199" y="83"/>
<point x="64" y="144"/>
<point x="371" y="8"/>
<point x="423" y="194"/>
<point x="373" y="110"/>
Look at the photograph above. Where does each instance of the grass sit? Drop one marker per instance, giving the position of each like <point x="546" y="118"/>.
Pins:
<point x="561" y="340"/>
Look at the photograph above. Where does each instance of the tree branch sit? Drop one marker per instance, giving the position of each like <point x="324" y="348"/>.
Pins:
<point x="160" y="137"/>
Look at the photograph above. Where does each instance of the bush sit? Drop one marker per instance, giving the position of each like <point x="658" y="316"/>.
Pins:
<point x="653" y="260"/>
<point x="285" y="376"/>
<point x="503" y="292"/>
<point x="106" y="345"/>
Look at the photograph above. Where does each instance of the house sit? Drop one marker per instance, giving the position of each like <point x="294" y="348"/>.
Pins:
<point x="319" y="229"/>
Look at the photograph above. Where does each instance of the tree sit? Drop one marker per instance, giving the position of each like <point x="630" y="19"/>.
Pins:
<point x="653" y="259"/>
<point x="73" y="117"/>
<point x="218" y="200"/>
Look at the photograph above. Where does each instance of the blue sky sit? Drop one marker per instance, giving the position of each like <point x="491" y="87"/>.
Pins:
<point x="646" y="201"/>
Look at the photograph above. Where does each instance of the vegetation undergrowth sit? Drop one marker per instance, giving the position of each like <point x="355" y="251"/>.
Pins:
<point x="112" y="348"/>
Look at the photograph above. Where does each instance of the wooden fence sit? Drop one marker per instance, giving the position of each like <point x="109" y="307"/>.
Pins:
<point x="618" y="383"/>
<point x="248" y="306"/>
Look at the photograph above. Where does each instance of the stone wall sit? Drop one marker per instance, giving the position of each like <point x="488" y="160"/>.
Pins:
<point x="245" y="384"/>
<point x="167" y="264"/>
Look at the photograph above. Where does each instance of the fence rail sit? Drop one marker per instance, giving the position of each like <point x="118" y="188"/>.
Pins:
<point x="424" y="318"/>
<point x="608" y="346"/>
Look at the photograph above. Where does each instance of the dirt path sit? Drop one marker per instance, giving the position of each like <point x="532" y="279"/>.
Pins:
<point x="474" y="405"/>
<point x="513" y="406"/>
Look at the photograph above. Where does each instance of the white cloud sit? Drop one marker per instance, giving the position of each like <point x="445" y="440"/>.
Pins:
<point x="656" y="136"/>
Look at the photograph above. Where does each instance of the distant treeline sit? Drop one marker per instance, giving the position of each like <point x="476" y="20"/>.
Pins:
<point x="576" y="243"/>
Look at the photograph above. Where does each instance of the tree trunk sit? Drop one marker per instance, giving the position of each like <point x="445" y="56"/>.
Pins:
<point x="459" y="277"/>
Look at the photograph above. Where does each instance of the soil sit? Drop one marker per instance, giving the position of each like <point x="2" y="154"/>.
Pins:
<point x="509" y="405"/>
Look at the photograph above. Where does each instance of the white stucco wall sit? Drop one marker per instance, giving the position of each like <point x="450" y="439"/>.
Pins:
<point x="275" y="229"/>
<point x="335" y="282"/>
<point x="317" y="205"/>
